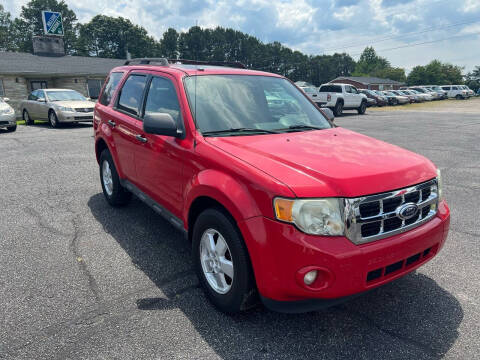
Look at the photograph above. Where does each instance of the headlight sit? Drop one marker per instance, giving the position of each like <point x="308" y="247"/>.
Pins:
<point x="66" y="109"/>
<point x="439" y="184"/>
<point x="312" y="216"/>
<point x="7" y="111"/>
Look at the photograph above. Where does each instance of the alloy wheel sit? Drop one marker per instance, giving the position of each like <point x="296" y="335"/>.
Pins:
<point x="216" y="261"/>
<point x="107" y="178"/>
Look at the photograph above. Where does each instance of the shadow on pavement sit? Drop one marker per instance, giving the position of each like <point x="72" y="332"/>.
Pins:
<point x="410" y="318"/>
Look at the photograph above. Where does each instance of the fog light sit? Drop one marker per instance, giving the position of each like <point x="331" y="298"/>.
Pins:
<point x="310" y="277"/>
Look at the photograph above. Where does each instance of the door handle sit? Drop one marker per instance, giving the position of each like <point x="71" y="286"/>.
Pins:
<point x="141" y="138"/>
<point x="111" y="123"/>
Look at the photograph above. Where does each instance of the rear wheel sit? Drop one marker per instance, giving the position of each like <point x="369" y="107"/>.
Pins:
<point x="338" y="109"/>
<point x="114" y="192"/>
<point x="26" y="117"/>
<point x="363" y="107"/>
<point x="12" y="128"/>
<point x="222" y="263"/>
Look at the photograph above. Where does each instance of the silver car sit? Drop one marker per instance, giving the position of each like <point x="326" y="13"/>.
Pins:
<point x="7" y="116"/>
<point x="57" y="106"/>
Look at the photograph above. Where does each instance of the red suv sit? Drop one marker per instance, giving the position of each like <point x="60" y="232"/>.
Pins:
<point x="275" y="199"/>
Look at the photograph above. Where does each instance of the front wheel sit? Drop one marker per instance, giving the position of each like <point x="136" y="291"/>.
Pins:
<point x="53" y="119"/>
<point x="222" y="263"/>
<point x="363" y="107"/>
<point x="459" y="97"/>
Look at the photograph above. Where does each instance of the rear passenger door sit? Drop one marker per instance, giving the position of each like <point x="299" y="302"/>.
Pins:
<point x="127" y="124"/>
<point x="159" y="158"/>
<point x="348" y="97"/>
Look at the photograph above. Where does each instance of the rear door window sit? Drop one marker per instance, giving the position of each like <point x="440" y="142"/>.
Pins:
<point x="131" y="94"/>
<point x="110" y="88"/>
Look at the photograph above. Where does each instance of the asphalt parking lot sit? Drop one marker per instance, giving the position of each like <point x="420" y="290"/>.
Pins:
<point x="80" y="279"/>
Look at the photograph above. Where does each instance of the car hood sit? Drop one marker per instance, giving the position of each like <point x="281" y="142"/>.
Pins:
<point x="329" y="163"/>
<point x="75" y="104"/>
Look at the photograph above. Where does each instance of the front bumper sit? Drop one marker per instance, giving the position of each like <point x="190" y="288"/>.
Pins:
<point x="7" y="120"/>
<point x="70" y="117"/>
<point x="279" y="252"/>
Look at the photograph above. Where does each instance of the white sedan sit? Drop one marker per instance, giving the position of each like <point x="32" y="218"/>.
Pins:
<point x="7" y="116"/>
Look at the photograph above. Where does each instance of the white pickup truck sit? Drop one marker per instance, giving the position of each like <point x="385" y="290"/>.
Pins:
<point x="339" y="97"/>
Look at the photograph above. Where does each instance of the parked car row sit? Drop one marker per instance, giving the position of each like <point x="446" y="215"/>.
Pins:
<point x="339" y="97"/>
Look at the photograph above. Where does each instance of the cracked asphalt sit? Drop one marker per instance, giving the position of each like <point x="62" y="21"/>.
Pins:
<point x="82" y="280"/>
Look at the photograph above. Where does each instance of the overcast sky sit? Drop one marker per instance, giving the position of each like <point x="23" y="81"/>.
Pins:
<point x="451" y="27"/>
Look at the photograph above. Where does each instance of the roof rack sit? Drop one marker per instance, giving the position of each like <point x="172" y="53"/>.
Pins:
<point x="144" y="61"/>
<point x="166" y="62"/>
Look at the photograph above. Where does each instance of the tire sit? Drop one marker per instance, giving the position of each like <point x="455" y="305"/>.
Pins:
<point x="232" y="294"/>
<point x="26" y="117"/>
<point x="459" y="97"/>
<point x="363" y="107"/>
<point x="53" y="119"/>
<point x="338" y="109"/>
<point x="115" y="194"/>
<point x="12" y="128"/>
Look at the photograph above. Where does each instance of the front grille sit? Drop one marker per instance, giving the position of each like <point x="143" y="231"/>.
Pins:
<point x="397" y="267"/>
<point x="4" y="123"/>
<point x="83" y="117"/>
<point x="84" y="110"/>
<point x="379" y="216"/>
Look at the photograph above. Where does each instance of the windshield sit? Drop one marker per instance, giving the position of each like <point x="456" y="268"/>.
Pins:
<point x="310" y="90"/>
<point x="225" y="102"/>
<point x="67" y="95"/>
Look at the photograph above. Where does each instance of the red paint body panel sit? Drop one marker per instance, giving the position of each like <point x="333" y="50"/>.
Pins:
<point x="245" y="174"/>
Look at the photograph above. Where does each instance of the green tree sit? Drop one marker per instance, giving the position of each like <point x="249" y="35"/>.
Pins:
<point x="435" y="73"/>
<point x="472" y="79"/>
<point x="113" y="37"/>
<point x="370" y="63"/>
<point x="169" y="44"/>
<point x="7" y="42"/>
<point x="30" y="23"/>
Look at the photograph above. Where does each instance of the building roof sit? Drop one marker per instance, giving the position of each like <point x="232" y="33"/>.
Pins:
<point x="368" y="80"/>
<point x="29" y="64"/>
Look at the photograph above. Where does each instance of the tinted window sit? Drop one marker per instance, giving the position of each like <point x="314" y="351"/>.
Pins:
<point x="132" y="93"/>
<point x="41" y="94"/>
<point x="162" y="98"/>
<point x="454" y="88"/>
<point x="110" y="88"/>
<point x="94" y="87"/>
<point x="331" y="88"/>
<point x="446" y="87"/>
<point x="33" y="95"/>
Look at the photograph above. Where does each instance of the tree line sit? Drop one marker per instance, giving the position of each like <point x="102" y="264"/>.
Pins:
<point x="114" y="37"/>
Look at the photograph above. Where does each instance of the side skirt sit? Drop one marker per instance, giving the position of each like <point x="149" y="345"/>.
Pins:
<point x="159" y="209"/>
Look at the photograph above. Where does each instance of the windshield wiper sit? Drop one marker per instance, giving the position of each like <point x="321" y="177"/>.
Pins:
<point x="303" y="127"/>
<point x="239" y="130"/>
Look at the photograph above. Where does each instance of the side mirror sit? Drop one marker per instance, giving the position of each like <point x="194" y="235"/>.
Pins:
<point x="160" y="124"/>
<point x="41" y="100"/>
<point x="329" y="114"/>
<point x="6" y="99"/>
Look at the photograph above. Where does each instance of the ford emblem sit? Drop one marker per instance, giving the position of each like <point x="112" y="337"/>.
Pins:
<point x="407" y="211"/>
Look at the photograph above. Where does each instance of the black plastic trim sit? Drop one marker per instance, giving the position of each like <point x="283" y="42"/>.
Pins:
<point x="171" y="218"/>
<point x="308" y="305"/>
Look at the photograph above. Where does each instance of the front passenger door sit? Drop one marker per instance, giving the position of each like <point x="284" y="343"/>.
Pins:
<point x="159" y="162"/>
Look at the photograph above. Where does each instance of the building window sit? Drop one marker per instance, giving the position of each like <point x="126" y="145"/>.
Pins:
<point x="2" y="90"/>
<point x="94" y="87"/>
<point x="35" y="85"/>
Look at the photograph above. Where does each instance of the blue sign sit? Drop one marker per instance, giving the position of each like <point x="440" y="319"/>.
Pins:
<point x="52" y="23"/>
